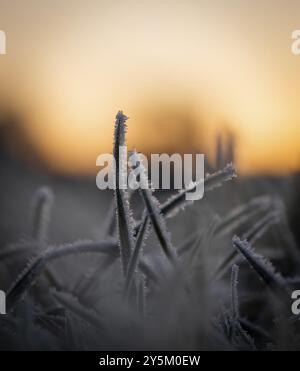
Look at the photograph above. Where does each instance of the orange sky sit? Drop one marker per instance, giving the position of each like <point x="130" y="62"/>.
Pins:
<point x="182" y="70"/>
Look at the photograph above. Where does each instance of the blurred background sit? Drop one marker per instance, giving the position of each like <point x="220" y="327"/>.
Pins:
<point x="194" y="76"/>
<point x="210" y="77"/>
<point x="183" y="71"/>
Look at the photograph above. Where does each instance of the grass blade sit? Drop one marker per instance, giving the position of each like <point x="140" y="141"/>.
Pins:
<point x="155" y="215"/>
<point x="254" y="233"/>
<point x="41" y="210"/>
<point x="124" y="215"/>
<point x="234" y="293"/>
<point x="178" y="202"/>
<point x="135" y="257"/>
<point x="35" y="267"/>
<point x="264" y="269"/>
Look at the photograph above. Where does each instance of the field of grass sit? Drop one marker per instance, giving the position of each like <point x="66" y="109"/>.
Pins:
<point x="87" y="270"/>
